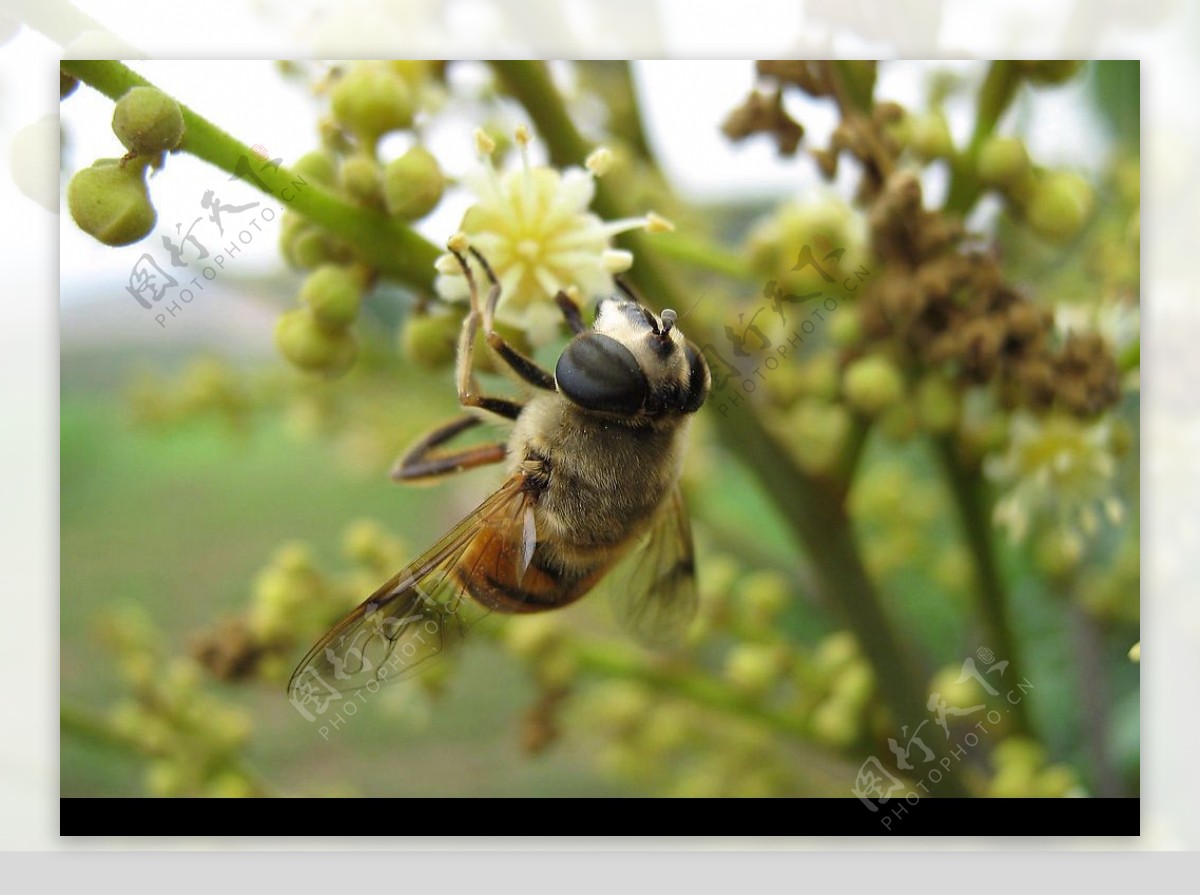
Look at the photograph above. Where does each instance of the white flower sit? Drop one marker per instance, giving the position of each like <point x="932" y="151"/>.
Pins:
<point x="1058" y="467"/>
<point x="534" y="227"/>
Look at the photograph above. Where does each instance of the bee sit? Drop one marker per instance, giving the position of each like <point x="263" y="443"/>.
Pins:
<point x="593" y="458"/>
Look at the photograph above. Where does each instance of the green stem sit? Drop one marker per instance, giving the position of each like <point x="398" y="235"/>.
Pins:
<point x="995" y="95"/>
<point x="700" y="253"/>
<point x="387" y="244"/>
<point x="970" y="498"/>
<point x="813" y="509"/>
<point x="705" y="690"/>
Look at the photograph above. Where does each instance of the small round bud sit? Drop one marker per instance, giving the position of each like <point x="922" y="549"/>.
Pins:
<point x="413" y="184"/>
<point x="835" y="653"/>
<point x="428" y="340"/>
<point x="110" y="202"/>
<point x="937" y="404"/>
<point x="763" y="595"/>
<point x="371" y="100"/>
<point x="950" y="690"/>
<point x="1059" y="206"/>
<point x="318" y="166"/>
<point x="333" y="294"/>
<point x="532" y="635"/>
<point x="754" y="668"/>
<point x="929" y="137"/>
<point x="872" y="384"/>
<point x="361" y="178"/>
<point x="1002" y="162"/>
<point x="821" y="431"/>
<point x="147" y="121"/>
<point x="855" y="684"/>
<point x="845" y="328"/>
<point x="307" y="345"/>
<point x="834" y="722"/>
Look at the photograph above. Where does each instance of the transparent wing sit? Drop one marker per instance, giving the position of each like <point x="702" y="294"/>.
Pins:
<point x="653" y="590"/>
<point x="425" y="608"/>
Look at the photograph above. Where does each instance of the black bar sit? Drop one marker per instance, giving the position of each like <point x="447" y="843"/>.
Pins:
<point x="576" y="817"/>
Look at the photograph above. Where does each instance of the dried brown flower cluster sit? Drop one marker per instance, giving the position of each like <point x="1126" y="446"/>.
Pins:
<point x="953" y="309"/>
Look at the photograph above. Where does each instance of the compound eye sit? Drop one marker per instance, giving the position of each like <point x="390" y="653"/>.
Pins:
<point x="597" y="372"/>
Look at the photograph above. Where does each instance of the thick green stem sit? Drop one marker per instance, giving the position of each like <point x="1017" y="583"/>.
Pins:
<point x="970" y="498"/>
<point x="813" y="509"/>
<point x="385" y="243"/>
<point x="999" y="87"/>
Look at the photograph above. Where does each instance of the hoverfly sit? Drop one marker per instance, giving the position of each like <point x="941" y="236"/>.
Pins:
<point x="593" y="459"/>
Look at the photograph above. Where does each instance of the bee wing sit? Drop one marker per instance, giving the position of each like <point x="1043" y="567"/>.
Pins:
<point x="424" y="608"/>
<point x="655" y="595"/>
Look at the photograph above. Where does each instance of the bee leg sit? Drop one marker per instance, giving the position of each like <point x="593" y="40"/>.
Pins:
<point x="423" y="461"/>
<point x="524" y="366"/>
<point x="570" y="311"/>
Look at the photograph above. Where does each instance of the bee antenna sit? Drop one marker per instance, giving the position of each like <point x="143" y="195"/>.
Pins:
<point x="668" y="320"/>
<point x="651" y="321"/>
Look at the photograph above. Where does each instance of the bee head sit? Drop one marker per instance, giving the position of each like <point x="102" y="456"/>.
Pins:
<point x="633" y="363"/>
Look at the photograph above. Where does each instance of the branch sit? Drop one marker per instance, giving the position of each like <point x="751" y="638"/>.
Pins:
<point x="387" y="244"/>
<point x="967" y="487"/>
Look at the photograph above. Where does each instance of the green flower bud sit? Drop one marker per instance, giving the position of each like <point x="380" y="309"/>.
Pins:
<point x="954" y="692"/>
<point x="364" y="541"/>
<point x="532" y="635"/>
<point x="872" y="384"/>
<point x="937" y="404"/>
<point x="166" y="778"/>
<point x="429" y="340"/>
<point x="1003" y="162"/>
<point x="1011" y="782"/>
<point x="413" y="184"/>
<point x="845" y="328"/>
<point x="1059" y="206"/>
<point x="230" y="785"/>
<point x="754" y="668"/>
<point x="819" y="432"/>
<point x="334" y="295"/>
<point x="835" y="653"/>
<point x="1018" y="752"/>
<point x="929" y="137"/>
<point x="763" y="596"/>
<point x="110" y="202"/>
<point x="318" y="166"/>
<point x="855" y="684"/>
<point x="835" y="722"/>
<point x="309" y="346"/>
<point x="308" y="248"/>
<point x="147" y="121"/>
<point x="371" y="100"/>
<point x="621" y="704"/>
<point x="360" y="177"/>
